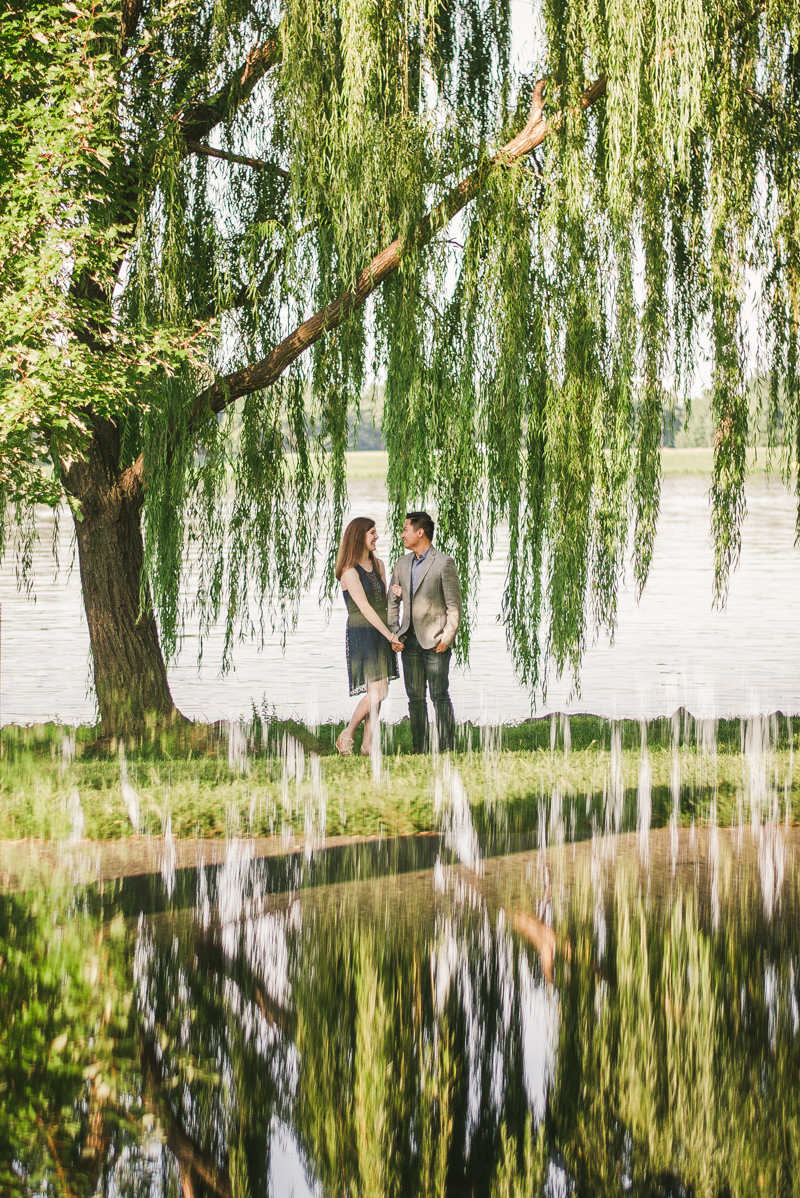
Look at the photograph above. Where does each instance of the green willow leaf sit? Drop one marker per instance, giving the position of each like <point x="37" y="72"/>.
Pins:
<point x="187" y="190"/>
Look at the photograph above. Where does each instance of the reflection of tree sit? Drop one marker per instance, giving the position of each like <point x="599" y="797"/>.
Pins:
<point x="410" y="1048"/>
<point x="64" y="1047"/>
<point x="409" y="1033"/>
<point x="679" y="1054"/>
<point x="392" y="1047"/>
<point x="214" y="1060"/>
<point x="102" y="1092"/>
<point x="365" y="1067"/>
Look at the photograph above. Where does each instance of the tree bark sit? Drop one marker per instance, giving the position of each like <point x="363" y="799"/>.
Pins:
<point x="130" y="675"/>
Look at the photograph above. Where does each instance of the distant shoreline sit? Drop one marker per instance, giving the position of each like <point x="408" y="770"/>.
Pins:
<point x="373" y="463"/>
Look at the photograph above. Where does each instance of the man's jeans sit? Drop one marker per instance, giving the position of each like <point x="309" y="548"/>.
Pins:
<point x="421" y="666"/>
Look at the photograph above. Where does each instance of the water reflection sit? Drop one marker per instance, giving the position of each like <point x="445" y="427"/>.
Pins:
<point x="579" y="1017"/>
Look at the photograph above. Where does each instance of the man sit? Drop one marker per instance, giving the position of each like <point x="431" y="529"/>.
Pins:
<point x="427" y="583"/>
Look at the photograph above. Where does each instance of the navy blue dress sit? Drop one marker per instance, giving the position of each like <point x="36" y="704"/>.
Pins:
<point x="369" y="655"/>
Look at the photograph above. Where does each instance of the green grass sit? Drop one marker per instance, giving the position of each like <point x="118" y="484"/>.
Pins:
<point x="701" y="461"/>
<point x="367" y="463"/>
<point x="687" y="461"/>
<point x="191" y="780"/>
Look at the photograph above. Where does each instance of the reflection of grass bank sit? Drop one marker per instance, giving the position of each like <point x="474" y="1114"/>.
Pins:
<point x="207" y="785"/>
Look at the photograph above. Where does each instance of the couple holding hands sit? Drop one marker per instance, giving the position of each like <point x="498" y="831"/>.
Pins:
<point x="426" y="583"/>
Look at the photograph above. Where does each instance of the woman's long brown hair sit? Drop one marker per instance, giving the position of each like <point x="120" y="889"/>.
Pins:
<point x="354" y="542"/>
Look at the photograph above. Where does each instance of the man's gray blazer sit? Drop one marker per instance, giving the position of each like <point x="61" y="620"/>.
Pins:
<point x="436" y="605"/>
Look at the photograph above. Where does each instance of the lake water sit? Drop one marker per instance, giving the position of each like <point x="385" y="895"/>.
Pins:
<point x="381" y="1019"/>
<point x="670" y="649"/>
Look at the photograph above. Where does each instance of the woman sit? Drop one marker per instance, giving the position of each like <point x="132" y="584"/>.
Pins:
<point x="371" y="662"/>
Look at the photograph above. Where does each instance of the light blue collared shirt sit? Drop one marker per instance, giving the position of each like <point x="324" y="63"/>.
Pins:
<point x="416" y="566"/>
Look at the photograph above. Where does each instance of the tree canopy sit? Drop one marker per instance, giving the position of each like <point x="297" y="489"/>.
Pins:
<point x="260" y="206"/>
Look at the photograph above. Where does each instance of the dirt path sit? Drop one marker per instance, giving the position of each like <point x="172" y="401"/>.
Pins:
<point x="35" y="864"/>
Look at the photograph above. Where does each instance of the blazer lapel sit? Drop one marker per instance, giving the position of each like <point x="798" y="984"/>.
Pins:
<point x="407" y="560"/>
<point x="426" y="565"/>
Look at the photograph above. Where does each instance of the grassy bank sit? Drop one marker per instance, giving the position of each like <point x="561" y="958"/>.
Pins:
<point x="374" y="463"/>
<point x="701" y="461"/>
<point x="281" y="778"/>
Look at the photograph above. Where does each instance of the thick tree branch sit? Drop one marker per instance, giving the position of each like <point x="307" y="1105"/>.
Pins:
<point x="199" y="119"/>
<point x="190" y="1156"/>
<point x="256" y="163"/>
<point x="266" y="372"/>
<point x="131" y="10"/>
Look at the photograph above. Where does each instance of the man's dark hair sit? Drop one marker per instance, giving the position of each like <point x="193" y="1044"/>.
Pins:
<point x="421" y="520"/>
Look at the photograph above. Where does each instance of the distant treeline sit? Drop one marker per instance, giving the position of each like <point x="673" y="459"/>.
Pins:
<point x="685" y="428"/>
<point x="694" y="428"/>
<point x="364" y="433"/>
<point x="691" y="428"/>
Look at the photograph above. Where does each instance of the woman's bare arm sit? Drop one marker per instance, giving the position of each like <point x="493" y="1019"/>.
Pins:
<point x="352" y="584"/>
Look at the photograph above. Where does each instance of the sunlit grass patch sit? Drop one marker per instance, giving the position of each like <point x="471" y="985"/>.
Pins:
<point x="283" y="779"/>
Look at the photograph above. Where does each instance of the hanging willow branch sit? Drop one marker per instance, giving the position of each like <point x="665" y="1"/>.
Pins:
<point x="266" y="372"/>
<point x="527" y="358"/>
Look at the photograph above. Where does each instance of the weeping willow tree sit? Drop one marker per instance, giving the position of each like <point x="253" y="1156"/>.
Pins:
<point x="255" y="208"/>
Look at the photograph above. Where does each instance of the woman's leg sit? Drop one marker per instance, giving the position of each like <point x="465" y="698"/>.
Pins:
<point x="376" y="693"/>
<point x="361" y="712"/>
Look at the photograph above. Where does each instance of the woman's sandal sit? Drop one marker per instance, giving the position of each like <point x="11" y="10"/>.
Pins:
<point x="344" y="744"/>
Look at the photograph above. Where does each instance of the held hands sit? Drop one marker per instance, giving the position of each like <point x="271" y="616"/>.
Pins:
<point x="397" y="645"/>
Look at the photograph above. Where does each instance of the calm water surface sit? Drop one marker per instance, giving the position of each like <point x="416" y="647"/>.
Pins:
<point x="671" y="649"/>
<point x="382" y="1019"/>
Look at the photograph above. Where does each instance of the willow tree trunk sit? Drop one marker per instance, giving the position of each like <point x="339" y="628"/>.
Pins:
<point x="129" y="672"/>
